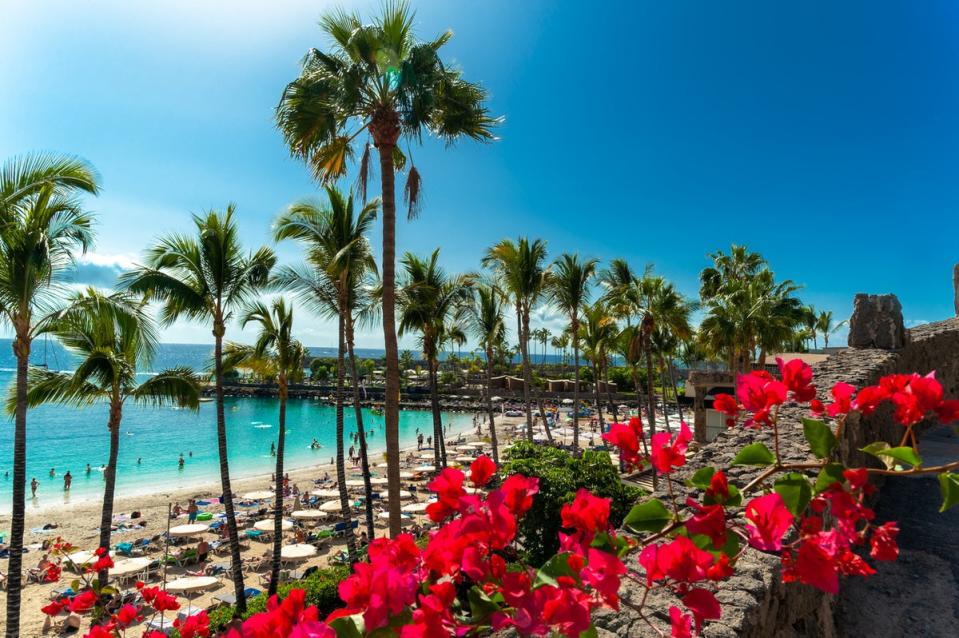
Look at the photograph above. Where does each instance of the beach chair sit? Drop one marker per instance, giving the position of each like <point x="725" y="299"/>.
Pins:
<point x="229" y="599"/>
<point x="253" y="533"/>
<point x="124" y="549"/>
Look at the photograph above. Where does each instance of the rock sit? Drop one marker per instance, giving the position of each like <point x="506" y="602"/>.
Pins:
<point x="955" y="287"/>
<point x="877" y="323"/>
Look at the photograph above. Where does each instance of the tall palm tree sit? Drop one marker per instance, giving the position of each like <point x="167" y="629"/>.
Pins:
<point x="430" y="302"/>
<point x="42" y="225"/>
<point x="207" y="277"/>
<point x="281" y="356"/>
<point x="485" y="317"/>
<point x="335" y="283"/>
<point x="521" y="269"/>
<point x="111" y="336"/>
<point x="597" y="335"/>
<point x="569" y="292"/>
<point x="380" y="79"/>
<point x="826" y="327"/>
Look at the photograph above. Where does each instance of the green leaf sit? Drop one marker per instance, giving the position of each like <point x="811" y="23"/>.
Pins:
<point x="795" y="490"/>
<point x="754" y="454"/>
<point x="949" y="486"/>
<point x="702" y="477"/>
<point x="903" y="454"/>
<point x="735" y="497"/>
<point x="831" y="473"/>
<point x="822" y="441"/>
<point x="480" y="605"/>
<point x="348" y="626"/>
<point x="651" y="516"/>
<point x="590" y="632"/>
<point x="555" y="567"/>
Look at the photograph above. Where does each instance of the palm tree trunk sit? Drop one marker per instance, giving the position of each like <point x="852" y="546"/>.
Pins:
<point x="609" y="395"/>
<point x="524" y="358"/>
<point x="21" y="348"/>
<point x="340" y="461"/>
<point x="574" y="323"/>
<point x="391" y="402"/>
<point x="639" y="405"/>
<point x="110" y="481"/>
<point x="597" y="379"/>
<point x="361" y="433"/>
<point x="672" y="379"/>
<point x="489" y="404"/>
<point x="438" y="461"/>
<point x="236" y="562"/>
<point x="650" y="395"/>
<point x="662" y="382"/>
<point x="278" y="506"/>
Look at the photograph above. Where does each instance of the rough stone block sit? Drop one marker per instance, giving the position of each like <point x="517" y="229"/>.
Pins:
<point x="877" y="323"/>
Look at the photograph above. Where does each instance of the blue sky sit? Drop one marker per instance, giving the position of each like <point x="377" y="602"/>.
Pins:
<point x="821" y="134"/>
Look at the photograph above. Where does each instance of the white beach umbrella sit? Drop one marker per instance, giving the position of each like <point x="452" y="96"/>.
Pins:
<point x="268" y="525"/>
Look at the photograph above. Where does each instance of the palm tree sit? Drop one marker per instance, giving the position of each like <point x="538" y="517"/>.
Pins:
<point x="335" y="283"/>
<point x="597" y="334"/>
<point x="111" y="336"/>
<point x="520" y="268"/>
<point x="826" y="327"/>
<point x="278" y="353"/>
<point x="569" y="292"/>
<point x="485" y="317"/>
<point x="43" y="225"/>
<point x="430" y="301"/>
<point x="206" y="278"/>
<point x="380" y="79"/>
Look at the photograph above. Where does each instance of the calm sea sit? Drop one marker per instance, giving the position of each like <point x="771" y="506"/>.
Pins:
<point x="65" y="438"/>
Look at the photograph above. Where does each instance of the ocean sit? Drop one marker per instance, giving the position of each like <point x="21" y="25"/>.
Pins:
<point x="61" y="439"/>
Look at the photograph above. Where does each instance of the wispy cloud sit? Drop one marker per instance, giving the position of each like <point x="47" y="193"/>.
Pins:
<point x="98" y="270"/>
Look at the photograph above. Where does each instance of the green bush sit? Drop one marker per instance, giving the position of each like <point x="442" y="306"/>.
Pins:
<point x="321" y="589"/>
<point x="560" y="476"/>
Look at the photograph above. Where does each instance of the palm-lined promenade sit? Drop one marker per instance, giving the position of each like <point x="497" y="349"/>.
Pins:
<point x="266" y="471"/>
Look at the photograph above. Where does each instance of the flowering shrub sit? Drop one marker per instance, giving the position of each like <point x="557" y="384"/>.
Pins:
<point x="467" y="581"/>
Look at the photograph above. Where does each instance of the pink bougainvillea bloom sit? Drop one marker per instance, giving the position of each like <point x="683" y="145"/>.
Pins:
<point x="797" y="377"/>
<point x="841" y="399"/>
<point x="704" y="606"/>
<point x="759" y="392"/>
<point x="482" y="470"/>
<point x="882" y="545"/>
<point x="708" y="520"/>
<point x="682" y="561"/>
<point x="587" y="514"/>
<point x="680" y="623"/>
<point x="718" y="489"/>
<point x="768" y="519"/>
<point x="948" y="411"/>
<point x="667" y="453"/>
<point x="816" y="407"/>
<point x="519" y="491"/>
<point x="624" y="438"/>
<point x="726" y="404"/>
<point x="448" y="487"/>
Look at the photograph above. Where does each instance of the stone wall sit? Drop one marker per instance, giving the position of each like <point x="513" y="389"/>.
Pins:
<point x="755" y="603"/>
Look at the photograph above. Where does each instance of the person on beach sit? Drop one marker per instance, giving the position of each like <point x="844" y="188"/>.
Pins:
<point x="191" y="511"/>
<point x="177" y="510"/>
<point x="419" y="441"/>
<point x="429" y="441"/>
<point x="33" y="487"/>
<point x="352" y="453"/>
<point x="272" y="448"/>
<point x="181" y="462"/>
<point x="202" y="551"/>
<point x="67" y="480"/>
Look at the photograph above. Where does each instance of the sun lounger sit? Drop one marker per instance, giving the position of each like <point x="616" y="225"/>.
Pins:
<point x="230" y="599"/>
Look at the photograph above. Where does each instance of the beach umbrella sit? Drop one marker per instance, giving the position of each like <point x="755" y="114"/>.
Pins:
<point x="424" y="468"/>
<point x="464" y="459"/>
<point x="405" y="474"/>
<point x="299" y="551"/>
<point x="354" y="483"/>
<point x="269" y="525"/>
<point x="258" y="495"/>
<point x="382" y="465"/>
<point x="325" y="493"/>
<point x="378" y="481"/>
<point x="426" y="455"/>
<point x="130" y="566"/>
<point x="192" y="584"/>
<point x="308" y="515"/>
<point x="496" y="399"/>
<point x="476" y="444"/>
<point x="415" y="508"/>
<point x="330" y="506"/>
<point x="189" y="530"/>
<point x="567" y="402"/>
<point x="465" y="448"/>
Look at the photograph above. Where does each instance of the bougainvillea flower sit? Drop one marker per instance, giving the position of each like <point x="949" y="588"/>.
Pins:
<point x="481" y="470"/>
<point x="948" y="411"/>
<point x="768" y="519"/>
<point x="718" y="490"/>
<point x="708" y="520"/>
<point x="759" y="392"/>
<point x="83" y="602"/>
<point x="882" y="545"/>
<point x="727" y="404"/>
<point x="816" y="407"/>
<point x="797" y="377"/>
<point x="127" y="615"/>
<point x="721" y="569"/>
<point x="603" y="572"/>
<point x="682" y="561"/>
<point x="667" y="453"/>
<point x="704" y="606"/>
<point x="680" y="623"/>
<point x="448" y="487"/>
<point x="624" y="438"/>
<point x="587" y="514"/>
<point x="196" y="626"/>
<point x="869" y="398"/>
<point x="519" y="491"/>
<point x="53" y="608"/>
<point x="841" y="399"/>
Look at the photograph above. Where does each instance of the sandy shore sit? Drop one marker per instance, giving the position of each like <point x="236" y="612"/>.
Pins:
<point x="77" y="523"/>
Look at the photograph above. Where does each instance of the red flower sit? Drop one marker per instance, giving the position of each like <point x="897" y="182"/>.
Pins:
<point x="816" y="407"/>
<point x="197" y="626"/>
<point x="759" y="392"/>
<point x="53" y="608"/>
<point x="718" y="490"/>
<point x="709" y="520"/>
<point x="721" y="569"/>
<point x="667" y="454"/>
<point x="624" y="438"/>
<point x="519" y="491"/>
<point x="869" y="398"/>
<point x="83" y="602"/>
<point x="482" y="470"/>
<point x="587" y="514"/>
<point x="727" y="404"/>
<point x="813" y="565"/>
<point x="126" y="615"/>
<point x="842" y="399"/>
<point x="603" y="573"/>
<point x="948" y="411"/>
<point x="680" y="623"/>
<point x="159" y="600"/>
<point x="448" y="487"/>
<point x="882" y="545"/>
<point x="704" y="606"/>
<point x="797" y="377"/>
<point x="682" y="561"/>
<point x="768" y="520"/>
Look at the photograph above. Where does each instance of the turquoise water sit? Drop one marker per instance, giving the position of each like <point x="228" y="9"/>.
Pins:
<point x="152" y="439"/>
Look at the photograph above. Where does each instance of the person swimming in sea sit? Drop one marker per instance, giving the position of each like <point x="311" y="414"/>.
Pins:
<point x="272" y="448"/>
<point x="53" y="472"/>
<point x="89" y="469"/>
<point x="182" y="461"/>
